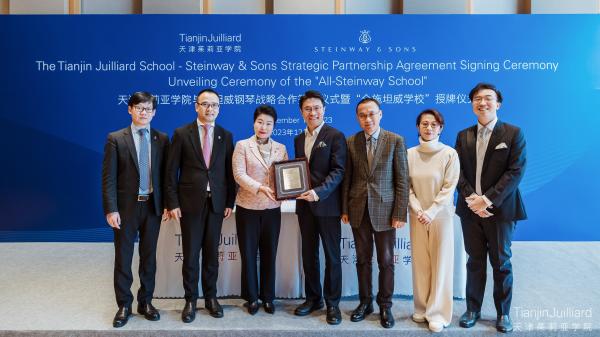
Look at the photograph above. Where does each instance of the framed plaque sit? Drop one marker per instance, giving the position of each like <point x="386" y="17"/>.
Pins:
<point x="292" y="178"/>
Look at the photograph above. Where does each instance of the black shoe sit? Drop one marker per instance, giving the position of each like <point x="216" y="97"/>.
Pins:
<point x="188" y="315"/>
<point x="149" y="311"/>
<point x="252" y="307"/>
<point x="386" y="318"/>
<point x="361" y="312"/>
<point x="307" y="307"/>
<point x="269" y="307"/>
<point x="334" y="316"/>
<point x="122" y="316"/>
<point x="213" y="307"/>
<point x="469" y="318"/>
<point x="503" y="324"/>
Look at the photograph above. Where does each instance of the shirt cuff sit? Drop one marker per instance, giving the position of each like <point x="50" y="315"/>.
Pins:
<point x="315" y="196"/>
<point x="487" y="201"/>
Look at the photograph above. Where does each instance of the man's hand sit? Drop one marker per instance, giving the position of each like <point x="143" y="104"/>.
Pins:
<point x="166" y="215"/>
<point x="228" y="212"/>
<point x="114" y="220"/>
<point x="345" y="219"/>
<point x="397" y="223"/>
<point x="308" y="196"/>
<point x="484" y="213"/>
<point x="476" y="203"/>
<point x="175" y="213"/>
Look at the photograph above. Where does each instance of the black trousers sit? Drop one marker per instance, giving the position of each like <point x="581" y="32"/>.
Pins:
<point x="364" y="236"/>
<point x="493" y="238"/>
<point x="143" y="220"/>
<point x="258" y="231"/>
<point x="201" y="232"/>
<point x="328" y="228"/>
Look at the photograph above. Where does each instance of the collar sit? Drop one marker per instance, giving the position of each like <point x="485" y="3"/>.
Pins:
<point x="431" y="146"/>
<point x="315" y="133"/>
<point x="374" y="135"/>
<point x="490" y="126"/>
<point x="135" y="129"/>
<point x="200" y="124"/>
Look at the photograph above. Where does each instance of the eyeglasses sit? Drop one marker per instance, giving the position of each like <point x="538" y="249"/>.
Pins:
<point x="371" y="115"/>
<point x="433" y="125"/>
<point x="310" y="109"/>
<point x="486" y="99"/>
<point x="206" y="105"/>
<point x="139" y="109"/>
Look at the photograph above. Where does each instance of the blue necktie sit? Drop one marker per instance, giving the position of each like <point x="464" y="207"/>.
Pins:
<point x="143" y="162"/>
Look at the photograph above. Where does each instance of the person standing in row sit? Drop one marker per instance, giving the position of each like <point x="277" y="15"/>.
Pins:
<point x="201" y="193"/>
<point x="258" y="213"/>
<point x="132" y="197"/>
<point x="374" y="202"/>
<point x="492" y="164"/>
<point x="434" y="169"/>
<point x="319" y="209"/>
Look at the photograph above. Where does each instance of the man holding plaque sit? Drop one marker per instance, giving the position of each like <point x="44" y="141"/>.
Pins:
<point x="374" y="202"/>
<point x="319" y="208"/>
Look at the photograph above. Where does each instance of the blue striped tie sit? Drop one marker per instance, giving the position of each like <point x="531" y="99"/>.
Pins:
<point x="143" y="162"/>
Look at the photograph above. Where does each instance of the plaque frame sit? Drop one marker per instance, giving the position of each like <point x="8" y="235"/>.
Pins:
<point x="281" y="193"/>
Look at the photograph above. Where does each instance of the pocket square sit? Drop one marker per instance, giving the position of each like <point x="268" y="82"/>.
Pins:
<point x="501" y="146"/>
<point x="321" y="145"/>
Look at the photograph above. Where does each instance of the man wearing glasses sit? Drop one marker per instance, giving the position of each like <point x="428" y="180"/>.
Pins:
<point x="201" y="193"/>
<point x="492" y="164"/>
<point x="319" y="209"/>
<point x="132" y="180"/>
<point x="374" y="202"/>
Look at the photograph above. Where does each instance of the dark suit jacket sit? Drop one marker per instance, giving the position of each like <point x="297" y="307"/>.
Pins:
<point x="502" y="171"/>
<point x="188" y="175"/>
<point x="383" y="188"/>
<point x="120" y="174"/>
<point x="327" y="165"/>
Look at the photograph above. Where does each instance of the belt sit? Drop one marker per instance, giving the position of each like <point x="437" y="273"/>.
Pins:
<point x="143" y="197"/>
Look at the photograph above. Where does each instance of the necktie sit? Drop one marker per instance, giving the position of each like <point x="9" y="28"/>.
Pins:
<point x="370" y="150"/>
<point x="143" y="162"/>
<point x="206" y="146"/>
<point x="481" y="148"/>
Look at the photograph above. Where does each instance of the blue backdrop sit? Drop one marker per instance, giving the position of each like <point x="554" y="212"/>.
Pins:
<point x="58" y="103"/>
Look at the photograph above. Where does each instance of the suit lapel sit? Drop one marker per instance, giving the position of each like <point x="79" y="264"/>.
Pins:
<point x="253" y="145"/>
<point x="218" y="143"/>
<point x="472" y="149"/>
<point x="381" y="143"/>
<point x="153" y="148"/>
<point x="360" y="151"/>
<point x="300" y="147"/>
<point x="319" y="139"/>
<point x="495" y="139"/>
<point x="128" y="137"/>
<point x="195" y="140"/>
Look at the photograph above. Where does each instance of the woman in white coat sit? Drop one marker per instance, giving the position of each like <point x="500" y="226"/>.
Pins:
<point x="433" y="169"/>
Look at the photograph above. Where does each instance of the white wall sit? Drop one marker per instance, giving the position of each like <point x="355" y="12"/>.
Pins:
<point x="111" y="6"/>
<point x="38" y="6"/>
<point x="565" y="6"/>
<point x="436" y="6"/>
<point x="172" y="6"/>
<point x="304" y="7"/>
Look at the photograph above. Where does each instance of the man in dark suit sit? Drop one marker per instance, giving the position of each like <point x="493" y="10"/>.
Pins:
<point x="492" y="164"/>
<point x="132" y="179"/>
<point x="201" y="193"/>
<point x="374" y="201"/>
<point x="318" y="209"/>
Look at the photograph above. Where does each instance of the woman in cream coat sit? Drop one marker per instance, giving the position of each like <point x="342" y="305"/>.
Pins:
<point x="258" y="213"/>
<point x="433" y="169"/>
